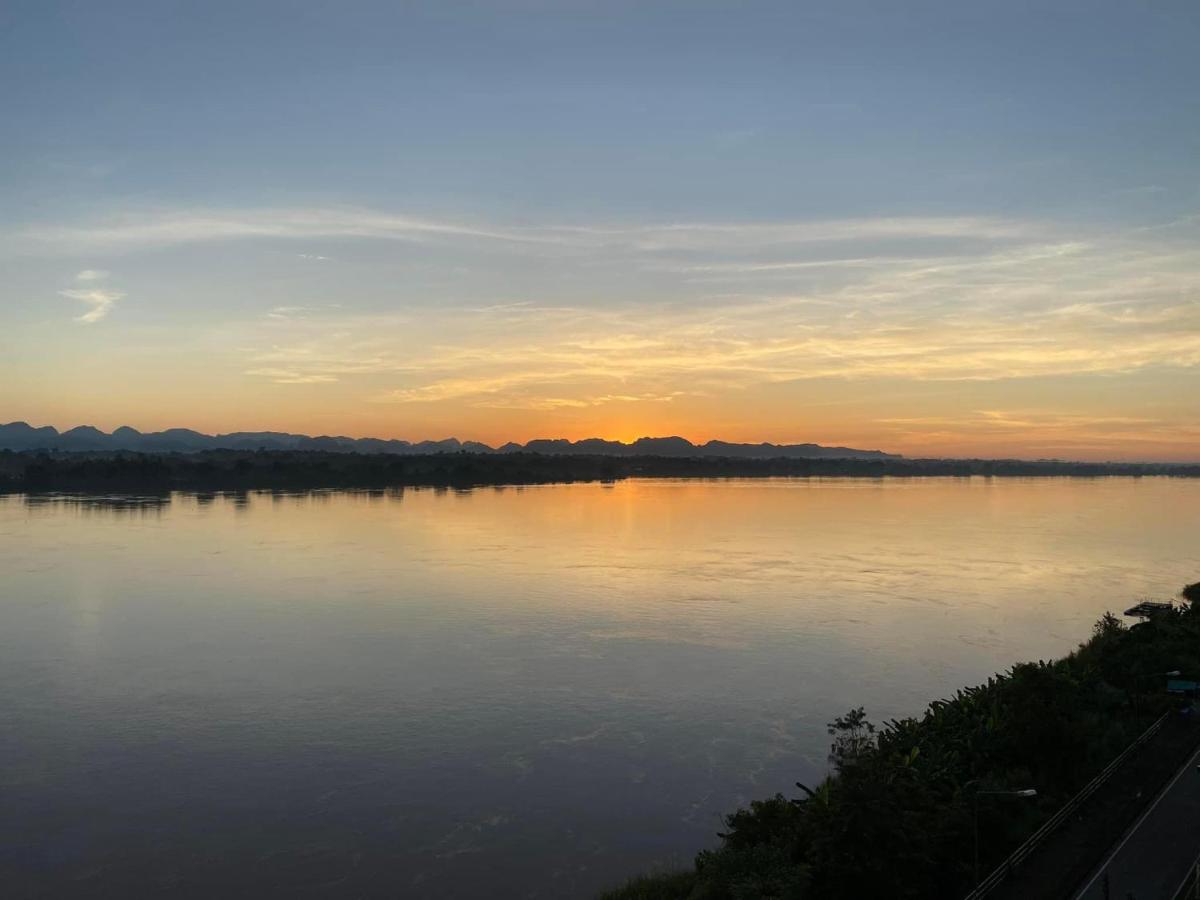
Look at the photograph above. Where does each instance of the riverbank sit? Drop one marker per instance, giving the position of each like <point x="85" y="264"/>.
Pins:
<point x="896" y="817"/>
<point x="222" y="470"/>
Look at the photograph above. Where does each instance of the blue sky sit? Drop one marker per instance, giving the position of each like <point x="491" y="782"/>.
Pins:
<point x="495" y="218"/>
<point x="573" y="109"/>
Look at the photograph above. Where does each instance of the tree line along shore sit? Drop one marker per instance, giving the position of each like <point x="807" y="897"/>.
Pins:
<point x="28" y="471"/>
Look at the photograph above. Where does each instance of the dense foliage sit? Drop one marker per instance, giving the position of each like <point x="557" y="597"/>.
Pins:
<point x="894" y="818"/>
<point x="305" y="469"/>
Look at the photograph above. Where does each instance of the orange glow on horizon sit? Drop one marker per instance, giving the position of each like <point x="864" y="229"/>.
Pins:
<point x="971" y="439"/>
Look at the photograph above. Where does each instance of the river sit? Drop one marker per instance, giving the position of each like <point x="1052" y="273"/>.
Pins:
<point x="511" y="692"/>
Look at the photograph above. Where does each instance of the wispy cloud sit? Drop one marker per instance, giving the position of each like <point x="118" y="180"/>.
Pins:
<point x="289" y="376"/>
<point x="698" y="309"/>
<point x="1042" y="308"/>
<point x="286" y="311"/>
<point x="157" y="229"/>
<point x="759" y="236"/>
<point x="100" y="301"/>
<point x="585" y="402"/>
<point x="131" y="231"/>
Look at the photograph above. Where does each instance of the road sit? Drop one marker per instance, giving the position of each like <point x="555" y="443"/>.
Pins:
<point x="1151" y="861"/>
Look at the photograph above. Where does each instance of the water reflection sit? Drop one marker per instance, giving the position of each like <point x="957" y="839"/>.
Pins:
<point x="120" y="503"/>
<point x="429" y="693"/>
<point x="115" y="504"/>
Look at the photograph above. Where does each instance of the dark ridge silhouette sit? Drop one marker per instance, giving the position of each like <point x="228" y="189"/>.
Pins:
<point x="22" y="436"/>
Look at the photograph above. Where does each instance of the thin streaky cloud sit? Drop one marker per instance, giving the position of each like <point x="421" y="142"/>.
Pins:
<point x="1042" y="310"/>
<point x="287" y="312"/>
<point x="750" y="268"/>
<point x="92" y="275"/>
<point x="288" y="376"/>
<point x="147" y="230"/>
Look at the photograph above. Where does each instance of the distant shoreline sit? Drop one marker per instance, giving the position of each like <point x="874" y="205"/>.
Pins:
<point x="223" y="470"/>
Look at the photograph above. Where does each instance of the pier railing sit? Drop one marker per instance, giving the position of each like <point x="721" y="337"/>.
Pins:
<point x="1190" y="889"/>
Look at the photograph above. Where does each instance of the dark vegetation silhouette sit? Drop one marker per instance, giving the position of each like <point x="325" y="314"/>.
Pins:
<point x="894" y="817"/>
<point x="298" y="470"/>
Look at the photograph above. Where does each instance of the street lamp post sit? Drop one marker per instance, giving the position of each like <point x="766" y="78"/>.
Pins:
<point x="1024" y="793"/>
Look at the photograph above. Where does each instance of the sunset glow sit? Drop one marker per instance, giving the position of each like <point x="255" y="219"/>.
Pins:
<point x="1033" y="299"/>
<point x="599" y="449"/>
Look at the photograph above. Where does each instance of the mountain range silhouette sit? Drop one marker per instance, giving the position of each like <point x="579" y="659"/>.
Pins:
<point x="23" y="436"/>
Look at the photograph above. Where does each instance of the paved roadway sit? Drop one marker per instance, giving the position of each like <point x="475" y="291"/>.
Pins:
<point x="1154" y="857"/>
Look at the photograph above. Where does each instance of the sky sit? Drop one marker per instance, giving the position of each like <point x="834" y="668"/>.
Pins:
<point x="935" y="228"/>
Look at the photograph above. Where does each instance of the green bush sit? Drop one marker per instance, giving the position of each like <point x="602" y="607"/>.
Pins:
<point x="668" y="886"/>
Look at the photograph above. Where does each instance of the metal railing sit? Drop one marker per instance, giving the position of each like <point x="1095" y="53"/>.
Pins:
<point x="1035" y="840"/>
<point x="1190" y="889"/>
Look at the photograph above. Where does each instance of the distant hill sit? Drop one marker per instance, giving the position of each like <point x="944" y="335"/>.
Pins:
<point x="23" y="436"/>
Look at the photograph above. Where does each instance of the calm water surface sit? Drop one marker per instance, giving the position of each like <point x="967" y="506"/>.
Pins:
<point x="503" y="693"/>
